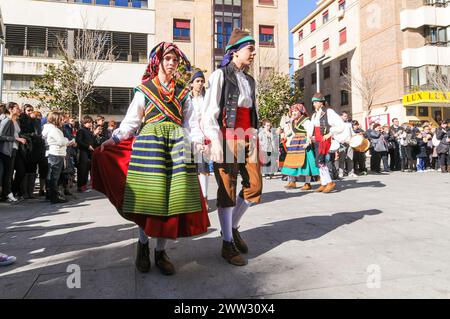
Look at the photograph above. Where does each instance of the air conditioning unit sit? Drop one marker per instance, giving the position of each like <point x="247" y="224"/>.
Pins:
<point x="341" y="14"/>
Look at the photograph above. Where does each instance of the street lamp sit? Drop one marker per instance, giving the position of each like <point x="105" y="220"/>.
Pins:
<point x="318" y="62"/>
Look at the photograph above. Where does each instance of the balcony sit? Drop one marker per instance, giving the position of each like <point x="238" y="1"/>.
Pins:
<point x="426" y="15"/>
<point x="429" y="55"/>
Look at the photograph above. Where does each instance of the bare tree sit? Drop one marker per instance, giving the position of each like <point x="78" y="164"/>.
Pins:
<point x="86" y="55"/>
<point x="439" y="80"/>
<point x="364" y="84"/>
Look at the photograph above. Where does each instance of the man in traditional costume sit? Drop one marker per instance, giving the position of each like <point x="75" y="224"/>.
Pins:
<point x="150" y="177"/>
<point x="327" y="124"/>
<point x="230" y="121"/>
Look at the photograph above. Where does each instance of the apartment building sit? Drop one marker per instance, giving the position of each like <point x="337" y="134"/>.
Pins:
<point x="396" y="44"/>
<point x="326" y="41"/>
<point x="33" y="26"/>
<point x="201" y="28"/>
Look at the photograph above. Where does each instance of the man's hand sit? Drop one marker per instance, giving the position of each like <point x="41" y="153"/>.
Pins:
<point x="91" y="148"/>
<point x="108" y="142"/>
<point x="216" y="151"/>
<point x="97" y="130"/>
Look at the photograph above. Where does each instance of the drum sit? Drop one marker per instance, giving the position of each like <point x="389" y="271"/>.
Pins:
<point x="365" y="145"/>
<point x="334" y="146"/>
<point x="356" y="141"/>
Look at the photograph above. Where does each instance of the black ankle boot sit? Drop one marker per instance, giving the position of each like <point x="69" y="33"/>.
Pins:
<point x="143" y="257"/>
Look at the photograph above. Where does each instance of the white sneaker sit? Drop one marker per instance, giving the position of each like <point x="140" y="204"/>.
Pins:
<point x="10" y="198"/>
<point x="352" y="175"/>
<point x="6" y="260"/>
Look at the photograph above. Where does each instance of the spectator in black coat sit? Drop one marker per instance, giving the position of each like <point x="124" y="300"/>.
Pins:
<point x="443" y="149"/>
<point x="87" y="142"/>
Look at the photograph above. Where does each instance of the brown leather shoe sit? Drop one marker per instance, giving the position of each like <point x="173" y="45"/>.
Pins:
<point x="291" y="185"/>
<point x="163" y="263"/>
<point x="306" y="187"/>
<point x="320" y="189"/>
<point x="232" y="255"/>
<point x="329" y="187"/>
<point x="143" y="257"/>
<point x="239" y="242"/>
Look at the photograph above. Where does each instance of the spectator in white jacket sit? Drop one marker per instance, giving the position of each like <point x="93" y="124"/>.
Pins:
<point x="57" y="145"/>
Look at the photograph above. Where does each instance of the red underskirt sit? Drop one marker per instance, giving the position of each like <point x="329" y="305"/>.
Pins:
<point x="109" y="173"/>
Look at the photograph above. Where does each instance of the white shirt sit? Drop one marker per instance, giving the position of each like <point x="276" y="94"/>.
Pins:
<point x="334" y="120"/>
<point x="213" y="95"/>
<point x="54" y="137"/>
<point x="135" y="115"/>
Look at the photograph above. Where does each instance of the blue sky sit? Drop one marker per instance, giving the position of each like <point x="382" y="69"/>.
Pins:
<point x="298" y="9"/>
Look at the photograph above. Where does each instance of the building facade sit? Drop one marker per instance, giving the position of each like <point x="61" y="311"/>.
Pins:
<point x="32" y="28"/>
<point x="201" y="28"/>
<point x="390" y="47"/>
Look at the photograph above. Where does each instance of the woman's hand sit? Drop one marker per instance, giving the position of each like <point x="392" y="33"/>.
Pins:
<point x="327" y="136"/>
<point x="21" y="140"/>
<point x="108" y="142"/>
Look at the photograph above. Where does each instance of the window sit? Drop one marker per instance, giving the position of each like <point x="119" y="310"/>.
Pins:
<point x="325" y="17"/>
<point x="266" y="35"/>
<point x="313" y="52"/>
<point x="343" y="66"/>
<point x="301" y="61"/>
<point x="437" y="35"/>
<point x="182" y="30"/>
<point x="111" y="100"/>
<point x="313" y="78"/>
<point x="341" y="4"/>
<point x="328" y="99"/>
<point x="265" y="71"/>
<point x="227" y="16"/>
<point x="326" y="72"/>
<point x="313" y="26"/>
<point x="266" y="2"/>
<point x="423" y="111"/>
<point x="300" y="35"/>
<point x="410" y="111"/>
<point x="18" y="82"/>
<point x="326" y="45"/>
<point x="344" y="97"/>
<point x="343" y="36"/>
<point x="301" y="84"/>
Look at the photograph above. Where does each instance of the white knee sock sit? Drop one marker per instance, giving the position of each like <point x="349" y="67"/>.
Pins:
<point x="325" y="177"/>
<point x="226" y="218"/>
<point x="143" y="238"/>
<point x="292" y="179"/>
<point x="161" y="244"/>
<point x="239" y="210"/>
<point x="307" y="179"/>
<point x="204" y="184"/>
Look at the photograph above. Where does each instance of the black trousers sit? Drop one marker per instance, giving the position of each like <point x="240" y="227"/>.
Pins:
<point x="395" y="157"/>
<point x="84" y="167"/>
<point x="55" y="167"/>
<point x="359" y="162"/>
<point x="20" y="167"/>
<point x="8" y="169"/>
<point x="444" y="159"/>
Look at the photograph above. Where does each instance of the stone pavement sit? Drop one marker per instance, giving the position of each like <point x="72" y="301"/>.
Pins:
<point x="378" y="236"/>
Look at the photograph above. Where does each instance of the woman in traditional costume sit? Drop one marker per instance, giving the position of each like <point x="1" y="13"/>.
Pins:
<point x="150" y="176"/>
<point x="300" y="159"/>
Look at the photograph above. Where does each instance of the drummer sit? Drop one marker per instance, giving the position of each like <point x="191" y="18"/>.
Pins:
<point x="359" y="158"/>
<point x="327" y="124"/>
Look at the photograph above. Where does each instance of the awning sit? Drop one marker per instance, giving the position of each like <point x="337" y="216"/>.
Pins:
<point x="427" y="98"/>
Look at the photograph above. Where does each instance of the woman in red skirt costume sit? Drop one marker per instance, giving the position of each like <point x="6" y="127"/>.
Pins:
<point x="150" y="177"/>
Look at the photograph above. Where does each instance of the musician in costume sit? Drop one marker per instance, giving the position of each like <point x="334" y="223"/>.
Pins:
<point x="327" y="125"/>
<point x="150" y="177"/>
<point x="300" y="159"/>
<point x="230" y="121"/>
<point x="197" y="96"/>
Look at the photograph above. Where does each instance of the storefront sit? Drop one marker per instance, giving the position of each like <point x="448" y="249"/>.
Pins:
<point x="427" y="106"/>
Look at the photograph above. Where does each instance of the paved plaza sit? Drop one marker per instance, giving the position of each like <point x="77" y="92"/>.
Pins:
<point x="377" y="236"/>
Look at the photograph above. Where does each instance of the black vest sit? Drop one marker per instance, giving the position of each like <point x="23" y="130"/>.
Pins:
<point x="230" y="97"/>
<point x="324" y="125"/>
